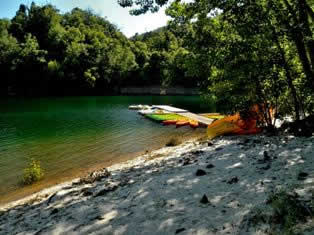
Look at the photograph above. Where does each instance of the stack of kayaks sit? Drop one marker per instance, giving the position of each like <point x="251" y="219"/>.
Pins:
<point x="180" y="123"/>
<point x="170" y="118"/>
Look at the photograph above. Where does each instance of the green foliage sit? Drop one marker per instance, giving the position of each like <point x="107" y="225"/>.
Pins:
<point x="144" y="5"/>
<point x="288" y="210"/>
<point x="53" y="66"/>
<point x="8" y="52"/>
<point x="29" y="58"/>
<point x="89" y="75"/>
<point x="256" y="52"/>
<point x="167" y="58"/>
<point x="33" y="172"/>
<point x="44" y="52"/>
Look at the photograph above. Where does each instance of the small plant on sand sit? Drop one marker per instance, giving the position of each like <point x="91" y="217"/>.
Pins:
<point x="288" y="210"/>
<point x="173" y="142"/>
<point x="33" y="172"/>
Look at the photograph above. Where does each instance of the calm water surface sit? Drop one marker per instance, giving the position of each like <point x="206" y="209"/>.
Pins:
<point x="70" y="135"/>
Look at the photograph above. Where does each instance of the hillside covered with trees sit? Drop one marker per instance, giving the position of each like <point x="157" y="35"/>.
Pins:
<point x="246" y="52"/>
<point x="43" y="52"/>
<point x="239" y="54"/>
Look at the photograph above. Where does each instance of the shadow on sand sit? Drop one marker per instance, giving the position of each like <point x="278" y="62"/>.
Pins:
<point x="163" y="196"/>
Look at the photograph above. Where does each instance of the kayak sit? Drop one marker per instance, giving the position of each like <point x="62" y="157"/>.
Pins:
<point x="182" y="123"/>
<point x="169" y="122"/>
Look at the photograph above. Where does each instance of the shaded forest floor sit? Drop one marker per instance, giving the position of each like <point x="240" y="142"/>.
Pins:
<point x="199" y="187"/>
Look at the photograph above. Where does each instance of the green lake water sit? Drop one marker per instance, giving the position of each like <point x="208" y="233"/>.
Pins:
<point x="73" y="134"/>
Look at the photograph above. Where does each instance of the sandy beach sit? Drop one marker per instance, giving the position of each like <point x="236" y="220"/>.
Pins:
<point x="198" y="187"/>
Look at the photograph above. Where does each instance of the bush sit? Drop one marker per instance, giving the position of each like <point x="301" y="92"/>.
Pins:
<point x="33" y="172"/>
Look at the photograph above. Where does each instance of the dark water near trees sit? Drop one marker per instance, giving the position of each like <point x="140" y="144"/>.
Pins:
<point x="73" y="135"/>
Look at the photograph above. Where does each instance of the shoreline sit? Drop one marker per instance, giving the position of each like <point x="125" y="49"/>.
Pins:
<point x="161" y="191"/>
<point x="26" y="191"/>
<point x="116" y="165"/>
<point x="132" y="162"/>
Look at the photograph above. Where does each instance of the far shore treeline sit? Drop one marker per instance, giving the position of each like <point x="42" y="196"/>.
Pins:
<point x="43" y="52"/>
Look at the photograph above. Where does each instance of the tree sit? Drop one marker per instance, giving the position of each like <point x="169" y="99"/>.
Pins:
<point x="30" y="58"/>
<point x="252" y="50"/>
<point x="18" y="23"/>
<point x="8" y="51"/>
<point x="144" y="5"/>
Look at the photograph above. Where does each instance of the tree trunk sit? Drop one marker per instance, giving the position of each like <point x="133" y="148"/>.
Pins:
<point x="288" y="73"/>
<point x="298" y="38"/>
<point x="309" y="11"/>
<point x="263" y="106"/>
<point x="304" y="21"/>
<point x="290" y="82"/>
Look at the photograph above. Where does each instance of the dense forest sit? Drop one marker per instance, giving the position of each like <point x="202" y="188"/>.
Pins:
<point x="246" y="52"/>
<point x="238" y="53"/>
<point x="43" y="52"/>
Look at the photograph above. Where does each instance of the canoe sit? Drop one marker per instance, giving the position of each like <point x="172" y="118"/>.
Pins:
<point x="182" y="123"/>
<point x="169" y="122"/>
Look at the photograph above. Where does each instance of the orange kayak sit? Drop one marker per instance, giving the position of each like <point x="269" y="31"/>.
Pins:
<point x="182" y="123"/>
<point x="169" y="122"/>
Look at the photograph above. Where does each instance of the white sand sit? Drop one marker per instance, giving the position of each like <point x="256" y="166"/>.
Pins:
<point x="162" y="195"/>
